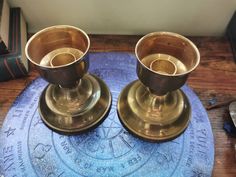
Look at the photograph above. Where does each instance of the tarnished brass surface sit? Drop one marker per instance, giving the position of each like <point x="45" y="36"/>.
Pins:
<point x="74" y="101"/>
<point x="80" y="113"/>
<point x="51" y="42"/>
<point x="154" y="108"/>
<point x="174" y="45"/>
<point x="145" y="116"/>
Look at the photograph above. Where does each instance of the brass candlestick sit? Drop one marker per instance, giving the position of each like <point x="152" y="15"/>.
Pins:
<point x="74" y="101"/>
<point x="153" y="107"/>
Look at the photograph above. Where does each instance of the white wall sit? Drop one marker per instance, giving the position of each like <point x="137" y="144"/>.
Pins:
<point x="188" y="17"/>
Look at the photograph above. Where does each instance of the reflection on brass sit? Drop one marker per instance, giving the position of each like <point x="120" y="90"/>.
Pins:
<point x="85" y="109"/>
<point x="74" y="101"/>
<point x="153" y="107"/>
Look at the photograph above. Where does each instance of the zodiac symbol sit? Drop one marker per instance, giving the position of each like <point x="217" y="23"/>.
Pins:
<point x="41" y="150"/>
<point x="10" y="131"/>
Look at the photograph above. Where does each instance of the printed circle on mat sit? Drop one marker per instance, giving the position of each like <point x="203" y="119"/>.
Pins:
<point x="110" y="150"/>
<point x="29" y="148"/>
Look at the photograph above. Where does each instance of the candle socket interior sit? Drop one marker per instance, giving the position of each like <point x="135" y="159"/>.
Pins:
<point x="163" y="67"/>
<point x="74" y="101"/>
<point x="62" y="59"/>
<point x="153" y="107"/>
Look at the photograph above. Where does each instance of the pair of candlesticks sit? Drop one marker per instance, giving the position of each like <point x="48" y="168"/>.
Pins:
<point x="152" y="108"/>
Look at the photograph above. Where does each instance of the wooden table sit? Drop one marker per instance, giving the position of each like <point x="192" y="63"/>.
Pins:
<point x="214" y="78"/>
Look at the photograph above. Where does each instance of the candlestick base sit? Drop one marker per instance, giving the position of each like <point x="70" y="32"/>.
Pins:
<point x="86" y="110"/>
<point x="152" y="117"/>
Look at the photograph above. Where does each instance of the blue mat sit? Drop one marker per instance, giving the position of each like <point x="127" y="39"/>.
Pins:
<point x="29" y="148"/>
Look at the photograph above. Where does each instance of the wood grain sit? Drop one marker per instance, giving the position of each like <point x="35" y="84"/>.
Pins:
<point x="214" y="78"/>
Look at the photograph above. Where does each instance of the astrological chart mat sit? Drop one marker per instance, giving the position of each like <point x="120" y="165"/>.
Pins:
<point x="28" y="148"/>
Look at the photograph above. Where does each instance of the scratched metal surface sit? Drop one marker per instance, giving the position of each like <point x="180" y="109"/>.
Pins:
<point x="29" y="148"/>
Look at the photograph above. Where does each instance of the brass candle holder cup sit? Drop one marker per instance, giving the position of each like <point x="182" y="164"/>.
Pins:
<point x="153" y="107"/>
<point x="74" y="101"/>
